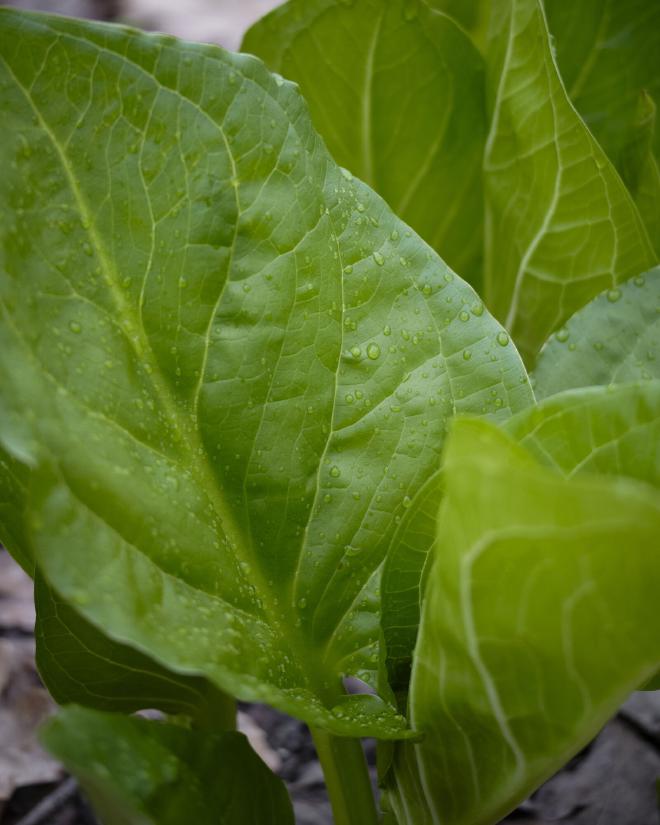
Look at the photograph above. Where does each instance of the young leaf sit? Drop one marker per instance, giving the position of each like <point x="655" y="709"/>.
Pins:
<point x="612" y="340"/>
<point x="138" y="772"/>
<point x="602" y="430"/>
<point x="560" y="224"/>
<point x="239" y="365"/>
<point x="540" y="616"/>
<point x="397" y="92"/>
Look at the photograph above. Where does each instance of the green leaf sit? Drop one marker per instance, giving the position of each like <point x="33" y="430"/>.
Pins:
<point x="560" y="224"/>
<point x="601" y="430"/>
<point x="138" y="772"/>
<point x="540" y="616"/>
<point x="80" y="665"/>
<point x="14" y="477"/>
<point x="402" y="584"/>
<point x="238" y="364"/>
<point x="612" y="340"/>
<point x="607" y="52"/>
<point x="639" y="167"/>
<point x="397" y="92"/>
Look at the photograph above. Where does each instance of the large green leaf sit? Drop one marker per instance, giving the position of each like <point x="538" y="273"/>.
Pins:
<point x="397" y="92"/>
<point x="540" y="616"/>
<point x="614" y="339"/>
<point x="601" y="430"/>
<point x="560" y="224"/>
<point x="237" y="362"/>
<point x="138" y="772"/>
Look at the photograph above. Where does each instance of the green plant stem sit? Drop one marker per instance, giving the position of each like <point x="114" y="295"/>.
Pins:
<point x="346" y="778"/>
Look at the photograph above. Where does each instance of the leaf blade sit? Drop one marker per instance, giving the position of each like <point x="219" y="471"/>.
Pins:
<point x="204" y="398"/>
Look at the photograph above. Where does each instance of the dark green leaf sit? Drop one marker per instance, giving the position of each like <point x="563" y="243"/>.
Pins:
<point x="138" y="772"/>
<point x="80" y="665"/>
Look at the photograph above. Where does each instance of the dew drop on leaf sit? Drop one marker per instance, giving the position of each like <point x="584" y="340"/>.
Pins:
<point x="335" y="472"/>
<point x="613" y="295"/>
<point x="373" y="351"/>
<point x="502" y="339"/>
<point x="380" y="260"/>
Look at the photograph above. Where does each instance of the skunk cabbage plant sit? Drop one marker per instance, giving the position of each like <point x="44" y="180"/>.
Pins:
<point x="336" y="357"/>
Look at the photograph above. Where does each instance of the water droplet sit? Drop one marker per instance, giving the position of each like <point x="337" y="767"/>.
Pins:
<point x="327" y="498"/>
<point x="562" y="335"/>
<point x="464" y="316"/>
<point x="75" y="327"/>
<point x="613" y="295"/>
<point x="427" y="289"/>
<point x="640" y="280"/>
<point x="502" y="338"/>
<point x="302" y="603"/>
<point x="467" y="354"/>
<point x="394" y="235"/>
<point x="335" y="472"/>
<point x="405" y="335"/>
<point x="478" y="309"/>
<point x="380" y="260"/>
<point x="373" y="351"/>
<point x="348" y="398"/>
<point x="356" y="352"/>
<point x="348" y="269"/>
<point x="407" y="501"/>
<point x="387" y="330"/>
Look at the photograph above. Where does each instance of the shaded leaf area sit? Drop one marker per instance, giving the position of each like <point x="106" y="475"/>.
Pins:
<point x="540" y="616"/>
<point x="397" y="92"/>
<point x="81" y="665"/>
<point x="239" y="364"/>
<point x="14" y="478"/>
<point x="607" y="53"/>
<point x="561" y="225"/>
<point x="615" y="338"/>
<point x="140" y="772"/>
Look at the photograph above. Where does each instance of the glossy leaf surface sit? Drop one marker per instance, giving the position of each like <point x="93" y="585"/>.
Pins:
<point x="560" y="225"/>
<point x="540" y="616"/>
<point x="397" y="92"/>
<point x="238" y="402"/>
<point x="138" y="772"/>
<point x="612" y="340"/>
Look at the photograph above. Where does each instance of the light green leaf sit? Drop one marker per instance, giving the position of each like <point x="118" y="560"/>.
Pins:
<point x="602" y="430"/>
<point x="80" y="665"/>
<point x="607" y="52"/>
<point x="612" y="340"/>
<point x="397" y="92"/>
<point x="138" y="772"/>
<point x="237" y="362"/>
<point x="560" y="224"/>
<point x="540" y="616"/>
